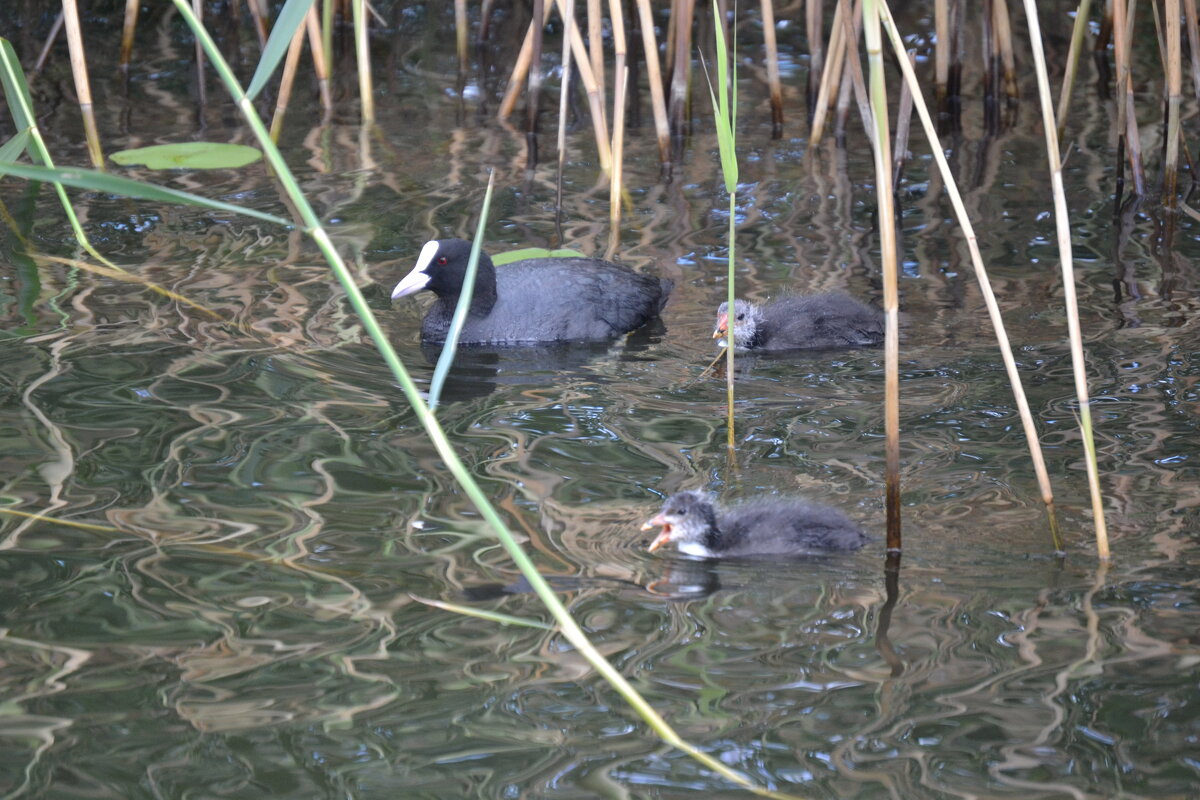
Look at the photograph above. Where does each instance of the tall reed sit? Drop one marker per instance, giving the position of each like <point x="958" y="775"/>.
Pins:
<point x="886" y="216"/>
<point x="459" y="318"/>
<point x="724" y="104"/>
<point x="1063" y="225"/>
<point x="981" y="275"/>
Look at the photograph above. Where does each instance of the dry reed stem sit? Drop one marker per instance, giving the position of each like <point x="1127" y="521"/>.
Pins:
<point x="520" y="70"/>
<point x="485" y="17"/>
<point x="954" y="83"/>
<point x="316" y="44"/>
<point x="941" y="53"/>
<point x="1077" y="33"/>
<point x="985" y="285"/>
<point x="127" y="30"/>
<point x="681" y="71"/>
<point x="852" y="24"/>
<point x="48" y="45"/>
<point x="595" y="43"/>
<point x="618" y="153"/>
<point x="1133" y="140"/>
<point x="772" y="55"/>
<point x="835" y="63"/>
<point x="287" y="81"/>
<point x="564" y="92"/>
<point x="259" y="15"/>
<point x="621" y="78"/>
<point x="461" y="34"/>
<point x="1003" y="27"/>
<point x="595" y="98"/>
<point x="819" y="106"/>
<point x="1193" y="29"/>
<point x="1126" y="119"/>
<point x="814" y="24"/>
<point x="1174" y="92"/>
<point x="620" y="54"/>
<point x="83" y="88"/>
<point x="903" y="124"/>
<point x="886" y="216"/>
<point x="362" y="52"/>
<point x="201" y="86"/>
<point x="654" y="76"/>
<point x="991" y="72"/>
<point x="670" y="42"/>
<point x="583" y="62"/>
<point x="327" y="35"/>
<point x="1063" y="226"/>
<point x="533" y="94"/>
<point x="842" y="106"/>
<point x="1161" y="41"/>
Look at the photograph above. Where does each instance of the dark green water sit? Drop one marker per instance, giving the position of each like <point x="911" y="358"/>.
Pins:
<point x="220" y="603"/>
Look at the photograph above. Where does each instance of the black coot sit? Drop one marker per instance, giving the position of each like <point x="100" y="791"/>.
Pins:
<point x="802" y="322"/>
<point x="536" y="300"/>
<point x="785" y="527"/>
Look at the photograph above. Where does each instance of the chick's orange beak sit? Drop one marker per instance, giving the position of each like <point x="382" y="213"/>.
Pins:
<point x="664" y="535"/>
<point x="722" y="326"/>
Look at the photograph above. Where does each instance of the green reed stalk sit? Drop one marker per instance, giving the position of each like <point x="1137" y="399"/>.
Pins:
<point x="566" y="623"/>
<point x="724" y="103"/>
<point x="446" y="359"/>
<point x="981" y="275"/>
<point x="1063" y="225"/>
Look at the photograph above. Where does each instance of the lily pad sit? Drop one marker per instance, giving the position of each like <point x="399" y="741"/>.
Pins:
<point x="189" y="155"/>
<point x="533" y="252"/>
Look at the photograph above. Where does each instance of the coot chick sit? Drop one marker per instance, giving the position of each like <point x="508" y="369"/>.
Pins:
<point x="785" y="527"/>
<point x="535" y="300"/>
<point x="802" y="322"/>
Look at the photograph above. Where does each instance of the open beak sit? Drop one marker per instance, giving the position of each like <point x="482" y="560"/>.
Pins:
<point x="664" y="535"/>
<point x="722" y="326"/>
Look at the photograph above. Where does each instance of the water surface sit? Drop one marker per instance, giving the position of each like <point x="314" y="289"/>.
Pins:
<point x="241" y="508"/>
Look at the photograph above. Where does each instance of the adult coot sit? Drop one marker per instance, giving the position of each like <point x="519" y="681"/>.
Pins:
<point x="536" y="300"/>
<point x="802" y="322"/>
<point x="785" y="527"/>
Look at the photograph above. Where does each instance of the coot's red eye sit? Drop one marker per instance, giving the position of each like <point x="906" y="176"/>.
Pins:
<point x="442" y="261"/>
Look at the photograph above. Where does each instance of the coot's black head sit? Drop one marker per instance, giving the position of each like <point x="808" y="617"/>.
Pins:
<point x="686" y="518"/>
<point x="746" y="318"/>
<point x="441" y="268"/>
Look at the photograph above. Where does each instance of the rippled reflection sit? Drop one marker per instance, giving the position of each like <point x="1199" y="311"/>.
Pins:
<point x="241" y="505"/>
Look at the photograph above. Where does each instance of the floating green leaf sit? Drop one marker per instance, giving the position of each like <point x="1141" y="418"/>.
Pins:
<point x="190" y="155"/>
<point x="533" y="252"/>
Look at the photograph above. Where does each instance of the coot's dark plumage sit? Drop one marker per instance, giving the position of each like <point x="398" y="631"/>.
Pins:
<point x="802" y="322"/>
<point x="536" y="300"/>
<point x="785" y="527"/>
